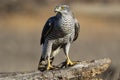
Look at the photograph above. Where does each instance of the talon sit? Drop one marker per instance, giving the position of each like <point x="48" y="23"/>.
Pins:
<point x="75" y="62"/>
<point x="49" y="67"/>
<point x="70" y="63"/>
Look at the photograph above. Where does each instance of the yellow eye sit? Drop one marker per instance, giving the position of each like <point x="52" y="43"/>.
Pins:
<point x="62" y="7"/>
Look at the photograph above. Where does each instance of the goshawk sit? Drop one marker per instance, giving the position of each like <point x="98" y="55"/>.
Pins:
<point x="59" y="32"/>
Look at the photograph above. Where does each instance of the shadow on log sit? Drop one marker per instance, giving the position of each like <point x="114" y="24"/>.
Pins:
<point x="83" y="70"/>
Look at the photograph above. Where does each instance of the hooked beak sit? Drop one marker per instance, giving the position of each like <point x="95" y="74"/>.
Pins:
<point x="57" y="9"/>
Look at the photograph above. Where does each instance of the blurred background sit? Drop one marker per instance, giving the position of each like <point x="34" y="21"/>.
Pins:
<point x="21" y="23"/>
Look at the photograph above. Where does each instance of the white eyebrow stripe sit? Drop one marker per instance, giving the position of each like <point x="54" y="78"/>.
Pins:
<point x="60" y="8"/>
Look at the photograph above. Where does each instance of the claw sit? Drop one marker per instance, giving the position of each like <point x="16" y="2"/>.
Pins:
<point x="69" y="62"/>
<point x="49" y="66"/>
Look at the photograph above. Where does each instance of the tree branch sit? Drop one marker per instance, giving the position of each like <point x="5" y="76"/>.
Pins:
<point x="83" y="70"/>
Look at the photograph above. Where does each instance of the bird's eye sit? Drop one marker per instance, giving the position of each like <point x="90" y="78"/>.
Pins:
<point x="63" y="8"/>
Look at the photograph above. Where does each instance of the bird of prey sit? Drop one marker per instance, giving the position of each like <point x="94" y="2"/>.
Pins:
<point x="59" y="32"/>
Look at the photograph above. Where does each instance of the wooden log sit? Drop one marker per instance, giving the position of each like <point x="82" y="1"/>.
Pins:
<point x="83" y="70"/>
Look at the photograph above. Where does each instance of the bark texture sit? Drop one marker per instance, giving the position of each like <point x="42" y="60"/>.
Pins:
<point x="83" y="70"/>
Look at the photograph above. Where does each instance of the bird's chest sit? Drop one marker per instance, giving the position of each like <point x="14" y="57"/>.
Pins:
<point x="63" y="31"/>
<point x="65" y="25"/>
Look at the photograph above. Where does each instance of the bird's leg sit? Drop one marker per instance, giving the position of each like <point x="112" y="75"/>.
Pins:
<point x="49" y="66"/>
<point x="66" y="51"/>
<point x="69" y="62"/>
<point x="49" y="51"/>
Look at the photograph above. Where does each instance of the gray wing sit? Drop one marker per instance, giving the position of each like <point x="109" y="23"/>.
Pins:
<point x="77" y="30"/>
<point x="47" y="29"/>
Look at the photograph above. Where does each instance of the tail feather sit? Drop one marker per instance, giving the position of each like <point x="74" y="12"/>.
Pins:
<point x="43" y="59"/>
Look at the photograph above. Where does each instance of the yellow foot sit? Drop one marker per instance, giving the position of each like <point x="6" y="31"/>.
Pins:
<point x="49" y="67"/>
<point x="70" y="63"/>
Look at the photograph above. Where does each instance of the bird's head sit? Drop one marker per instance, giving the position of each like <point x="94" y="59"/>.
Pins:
<point x="63" y="9"/>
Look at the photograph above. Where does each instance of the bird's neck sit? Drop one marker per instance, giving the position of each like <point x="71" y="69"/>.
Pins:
<point x="63" y="16"/>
